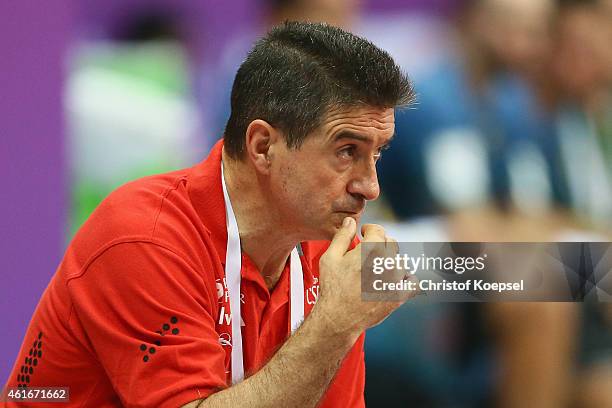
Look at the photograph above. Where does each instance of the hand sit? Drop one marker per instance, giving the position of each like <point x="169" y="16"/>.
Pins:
<point x="340" y="298"/>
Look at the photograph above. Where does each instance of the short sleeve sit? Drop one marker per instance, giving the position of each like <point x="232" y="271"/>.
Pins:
<point x="148" y="315"/>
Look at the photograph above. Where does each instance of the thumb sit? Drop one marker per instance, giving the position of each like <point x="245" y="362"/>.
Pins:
<point x="343" y="237"/>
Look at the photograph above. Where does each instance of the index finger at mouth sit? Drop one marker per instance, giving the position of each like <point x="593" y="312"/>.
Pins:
<point x="391" y="246"/>
<point x="373" y="233"/>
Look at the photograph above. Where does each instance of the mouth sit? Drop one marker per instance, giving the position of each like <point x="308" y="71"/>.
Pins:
<point x="353" y="211"/>
<point x="350" y="213"/>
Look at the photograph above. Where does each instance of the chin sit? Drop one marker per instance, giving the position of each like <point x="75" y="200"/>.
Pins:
<point x="324" y="232"/>
<point x="328" y="228"/>
<point x="337" y="223"/>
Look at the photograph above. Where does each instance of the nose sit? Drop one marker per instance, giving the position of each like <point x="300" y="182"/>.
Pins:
<point x="365" y="183"/>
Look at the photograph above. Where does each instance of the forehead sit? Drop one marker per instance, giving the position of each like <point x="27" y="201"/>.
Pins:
<point x="367" y="121"/>
<point x="523" y="8"/>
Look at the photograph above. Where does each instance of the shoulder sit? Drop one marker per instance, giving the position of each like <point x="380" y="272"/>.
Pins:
<point x="154" y="213"/>
<point x="131" y="209"/>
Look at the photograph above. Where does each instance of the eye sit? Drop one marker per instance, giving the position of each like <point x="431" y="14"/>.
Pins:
<point x="347" y="152"/>
<point x="379" y="152"/>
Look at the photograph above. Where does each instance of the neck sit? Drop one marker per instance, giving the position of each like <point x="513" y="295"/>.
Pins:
<point x="263" y="238"/>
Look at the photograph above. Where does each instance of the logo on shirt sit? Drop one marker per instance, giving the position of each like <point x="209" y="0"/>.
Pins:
<point x="223" y="298"/>
<point x="31" y="361"/>
<point x="226" y="318"/>
<point x="223" y="293"/>
<point x="312" y="293"/>
<point x="220" y="290"/>
<point x="225" y="339"/>
<point x="168" y="328"/>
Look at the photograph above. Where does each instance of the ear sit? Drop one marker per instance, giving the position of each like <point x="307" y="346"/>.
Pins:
<point x="261" y="139"/>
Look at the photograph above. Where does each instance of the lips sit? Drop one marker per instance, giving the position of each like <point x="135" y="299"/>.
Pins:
<point x="351" y="212"/>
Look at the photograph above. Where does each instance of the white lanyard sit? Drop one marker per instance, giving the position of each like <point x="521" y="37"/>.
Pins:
<point x="233" y="265"/>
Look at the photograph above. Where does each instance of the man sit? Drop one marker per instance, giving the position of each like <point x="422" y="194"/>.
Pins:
<point x="142" y="310"/>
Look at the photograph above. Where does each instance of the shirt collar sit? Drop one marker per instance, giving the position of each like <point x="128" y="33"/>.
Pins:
<point x="206" y="195"/>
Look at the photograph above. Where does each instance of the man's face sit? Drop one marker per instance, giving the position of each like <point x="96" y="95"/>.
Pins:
<point x="514" y="32"/>
<point x="333" y="173"/>
<point x="582" y="62"/>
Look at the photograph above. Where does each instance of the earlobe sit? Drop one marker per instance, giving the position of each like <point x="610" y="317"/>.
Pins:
<point x="260" y="138"/>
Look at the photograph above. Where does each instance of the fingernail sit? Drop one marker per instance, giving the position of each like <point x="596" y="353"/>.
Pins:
<point x="347" y="222"/>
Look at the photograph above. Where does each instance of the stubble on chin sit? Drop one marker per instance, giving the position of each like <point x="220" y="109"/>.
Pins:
<point x="336" y="224"/>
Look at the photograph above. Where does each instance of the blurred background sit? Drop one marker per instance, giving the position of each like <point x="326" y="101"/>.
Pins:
<point x="511" y="140"/>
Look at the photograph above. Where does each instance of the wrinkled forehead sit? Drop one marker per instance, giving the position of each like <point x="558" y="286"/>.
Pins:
<point x="367" y="121"/>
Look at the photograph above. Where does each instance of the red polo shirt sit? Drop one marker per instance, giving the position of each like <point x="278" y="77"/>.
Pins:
<point x="137" y="312"/>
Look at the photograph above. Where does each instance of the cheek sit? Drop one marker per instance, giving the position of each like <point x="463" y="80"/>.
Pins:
<point x="296" y="187"/>
<point x="311" y="188"/>
<point x="315" y="195"/>
<point x="329" y="195"/>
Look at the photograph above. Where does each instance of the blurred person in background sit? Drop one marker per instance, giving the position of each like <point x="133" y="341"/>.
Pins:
<point x="473" y="135"/>
<point x="130" y="107"/>
<point x="216" y="79"/>
<point x="580" y="97"/>
<point x="340" y="13"/>
<point x="477" y="140"/>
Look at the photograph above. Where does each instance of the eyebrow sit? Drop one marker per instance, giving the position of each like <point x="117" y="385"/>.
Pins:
<point x="356" y="136"/>
<point x="350" y="135"/>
